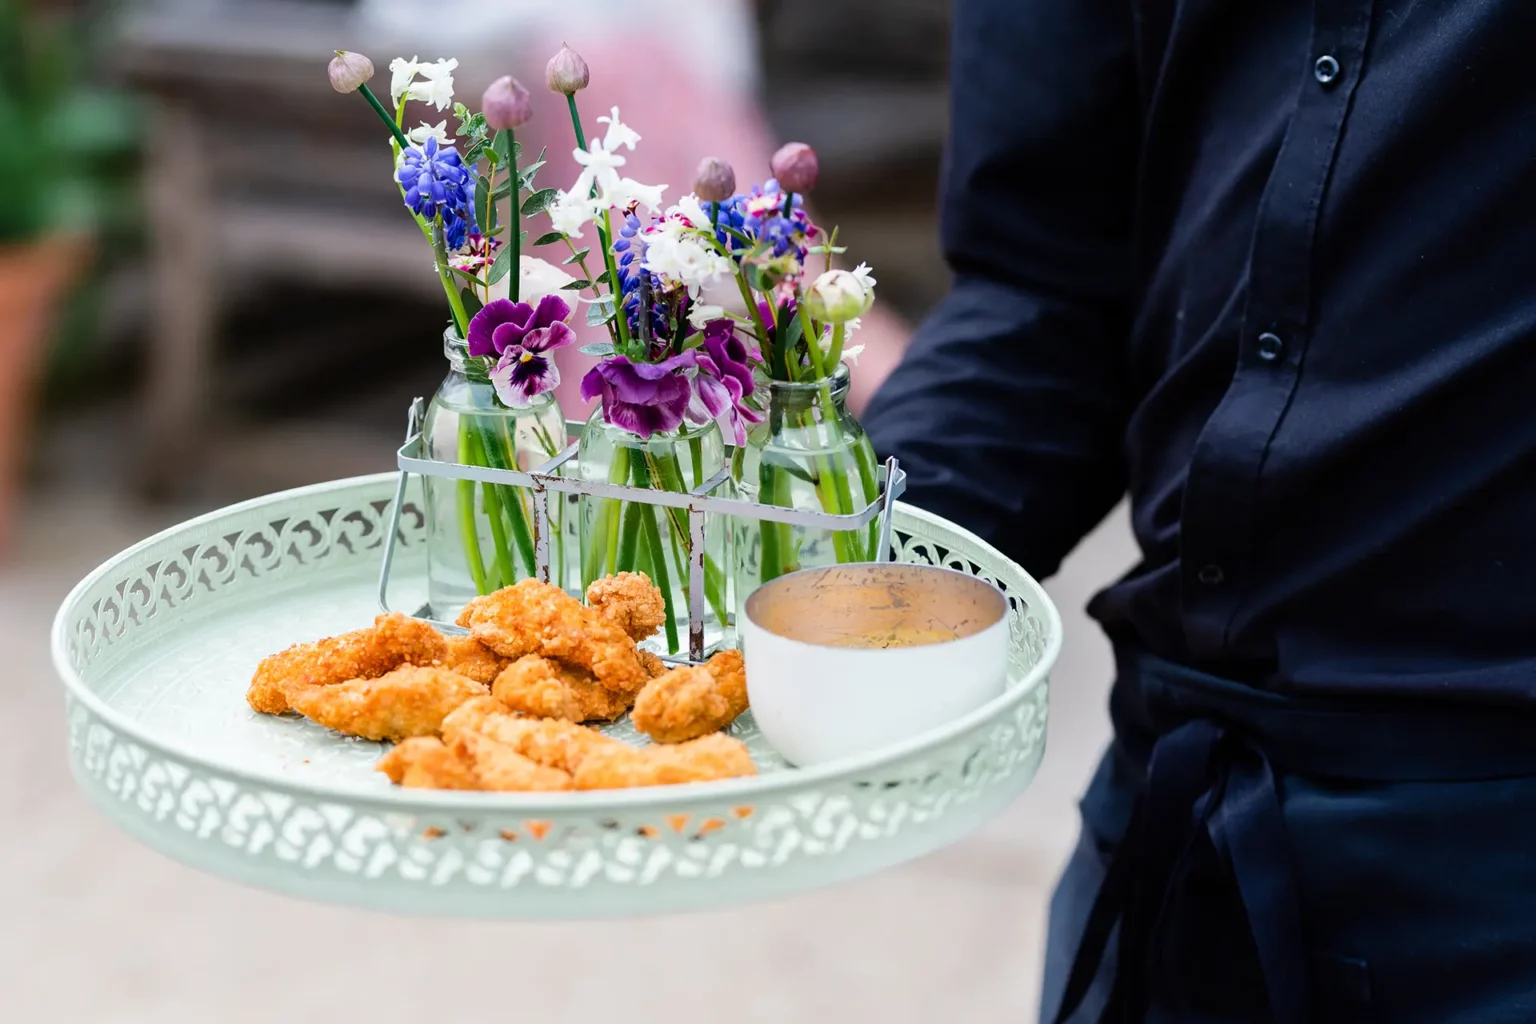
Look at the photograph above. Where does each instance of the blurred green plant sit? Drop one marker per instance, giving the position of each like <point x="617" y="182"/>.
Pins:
<point x="70" y="156"/>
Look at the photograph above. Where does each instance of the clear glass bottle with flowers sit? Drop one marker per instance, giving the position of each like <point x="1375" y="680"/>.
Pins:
<point x="496" y="407"/>
<point x="687" y="371"/>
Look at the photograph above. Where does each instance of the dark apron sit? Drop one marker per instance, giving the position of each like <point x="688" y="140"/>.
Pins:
<point x="1287" y="859"/>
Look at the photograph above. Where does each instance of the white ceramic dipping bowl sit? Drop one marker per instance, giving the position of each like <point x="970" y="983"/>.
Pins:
<point x="848" y="659"/>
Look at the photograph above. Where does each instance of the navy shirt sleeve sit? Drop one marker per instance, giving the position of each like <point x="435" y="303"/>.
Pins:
<point x="1009" y="410"/>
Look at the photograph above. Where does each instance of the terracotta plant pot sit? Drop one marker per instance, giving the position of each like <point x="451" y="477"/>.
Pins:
<point x="33" y="277"/>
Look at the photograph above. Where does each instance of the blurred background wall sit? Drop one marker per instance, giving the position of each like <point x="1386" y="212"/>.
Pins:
<point x="208" y="291"/>
<point x="259" y="311"/>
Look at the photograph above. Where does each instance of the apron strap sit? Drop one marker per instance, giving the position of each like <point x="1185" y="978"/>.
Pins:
<point x="1201" y="779"/>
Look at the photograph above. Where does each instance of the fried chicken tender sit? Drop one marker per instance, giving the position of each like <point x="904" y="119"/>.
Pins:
<point x="630" y="601"/>
<point x="469" y="657"/>
<point x="689" y="702"/>
<point x="499" y="767"/>
<point x="652" y="664"/>
<point x="393" y="640"/>
<point x="408" y="701"/>
<point x="715" y="756"/>
<point x="423" y="762"/>
<point x="533" y="617"/>
<point x="546" y="688"/>
<point x="548" y="741"/>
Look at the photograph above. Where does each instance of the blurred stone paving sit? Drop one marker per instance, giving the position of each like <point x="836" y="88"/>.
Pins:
<point x="94" y="926"/>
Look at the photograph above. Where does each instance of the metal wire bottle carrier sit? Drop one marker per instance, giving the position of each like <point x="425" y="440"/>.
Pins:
<point x="698" y="503"/>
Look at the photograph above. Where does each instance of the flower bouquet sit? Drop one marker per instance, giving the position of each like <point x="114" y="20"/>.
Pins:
<point x="727" y="329"/>
<point x="496" y="408"/>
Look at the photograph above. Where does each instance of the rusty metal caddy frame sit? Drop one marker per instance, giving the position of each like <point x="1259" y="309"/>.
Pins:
<point x="697" y="502"/>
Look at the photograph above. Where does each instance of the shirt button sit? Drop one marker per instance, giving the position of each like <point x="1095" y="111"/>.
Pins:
<point x="1326" y="69"/>
<point x="1270" y="346"/>
<point x="1211" y="575"/>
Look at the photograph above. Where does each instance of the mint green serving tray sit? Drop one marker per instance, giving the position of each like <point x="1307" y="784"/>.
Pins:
<point x="155" y="649"/>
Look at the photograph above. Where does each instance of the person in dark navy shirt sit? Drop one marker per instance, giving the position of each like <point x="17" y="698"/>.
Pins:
<point x="1270" y="269"/>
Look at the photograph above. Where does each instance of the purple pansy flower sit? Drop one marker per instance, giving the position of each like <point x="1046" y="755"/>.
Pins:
<point x="642" y="398"/>
<point x="723" y="382"/>
<point x="523" y="339"/>
<point x="502" y="323"/>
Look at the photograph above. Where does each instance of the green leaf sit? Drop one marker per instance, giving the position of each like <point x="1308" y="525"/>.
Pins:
<point x="743" y="239"/>
<point x="793" y="332"/>
<point x="755" y="278"/>
<point x="599" y="313"/>
<point x="503" y="190"/>
<point x="532" y="169"/>
<point x="475" y="152"/>
<point x="549" y="238"/>
<point x="539" y="201"/>
<point x="466" y="276"/>
<point x="478" y="368"/>
<point x="500" y="266"/>
<point x="461" y="112"/>
<point x="600" y="349"/>
<point x="604" y="278"/>
<point x="471" y="302"/>
<point x="576" y="257"/>
<point x="507" y="148"/>
<point x="576" y="286"/>
<point x="482" y="187"/>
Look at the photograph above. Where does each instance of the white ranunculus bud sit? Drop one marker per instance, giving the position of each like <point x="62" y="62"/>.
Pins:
<point x="536" y="279"/>
<point x="837" y="297"/>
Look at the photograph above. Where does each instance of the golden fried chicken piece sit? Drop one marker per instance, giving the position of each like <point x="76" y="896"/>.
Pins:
<point x="409" y="701"/>
<point x="546" y="688"/>
<point x="548" y="741"/>
<point x="423" y="762"/>
<point x="652" y="664"/>
<point x="689" y="702"/>
<point x="393" y="640"/>
<point x="500" y="767"/>
<point x="470" y="716"/>
<point x="532" y="617"/>
<point x="469" y="657"/>
<point x="630" y="601"/>
<point x="709" y="757"/>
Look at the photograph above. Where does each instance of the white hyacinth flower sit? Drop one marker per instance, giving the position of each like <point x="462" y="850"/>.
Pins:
<point x="436" y="91"/>
<point x="402" y="73"/>
<point x="679" y="256"/>
<point x="628" y="191"/>
<point x="439" y="69"/>
<point x="599" y="166"/>
<point x="422" y="132"/>
<point x="570" y="212"/>
<point x="619" y="133"/>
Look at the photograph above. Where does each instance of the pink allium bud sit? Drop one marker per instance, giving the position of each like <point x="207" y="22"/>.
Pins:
<point x="567" y="73"/>
<point x="795" y="166"/>
<point x="506" y="104"/>
<point x="714" y="182"/>
<point x="348" y="71"/>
